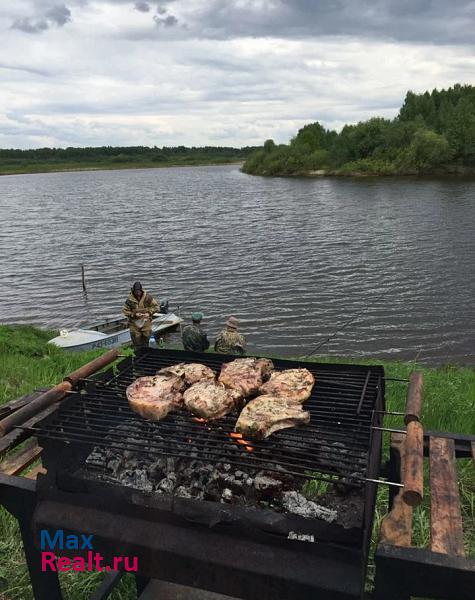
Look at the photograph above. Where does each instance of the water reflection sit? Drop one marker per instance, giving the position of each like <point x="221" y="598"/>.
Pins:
<point x="294" y="259"/>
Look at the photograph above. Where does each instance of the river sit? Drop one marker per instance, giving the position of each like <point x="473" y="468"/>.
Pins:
<point x="293" y="259"/>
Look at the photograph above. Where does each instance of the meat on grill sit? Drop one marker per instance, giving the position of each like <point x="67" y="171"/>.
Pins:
<point x="191" y="372"/>
<point x="210" y="399"/>
<point x="245" y="375"/>
<point x="292" y="384"/>
<point x="265" y="415"/>
<point x="154" y="397"/>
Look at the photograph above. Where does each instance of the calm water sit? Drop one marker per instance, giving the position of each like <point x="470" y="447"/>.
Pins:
<point x="292" y="258"/>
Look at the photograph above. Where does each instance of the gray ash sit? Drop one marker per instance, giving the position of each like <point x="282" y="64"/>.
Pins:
<point x="220" y="482"/>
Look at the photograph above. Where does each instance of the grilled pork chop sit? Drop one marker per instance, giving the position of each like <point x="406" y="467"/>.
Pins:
<point x="191" y="372"/>
<point x="265" y="415"/>
<point x="292" y="384"/>
<point x="154" y="397"/>
<point x="210" y="400"/>
<point x="245" y="375"/>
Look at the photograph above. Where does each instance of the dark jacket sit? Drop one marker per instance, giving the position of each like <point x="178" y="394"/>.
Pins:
<point x="194" y="338"/>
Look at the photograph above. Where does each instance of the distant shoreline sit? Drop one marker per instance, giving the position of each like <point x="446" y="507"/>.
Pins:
<point x="75" y="167"/>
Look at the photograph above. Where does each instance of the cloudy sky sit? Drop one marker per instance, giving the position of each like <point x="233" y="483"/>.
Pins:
<point x="219" y="72"/>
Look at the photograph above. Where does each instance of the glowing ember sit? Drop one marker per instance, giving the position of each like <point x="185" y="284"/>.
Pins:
<point x="199" y="420"/>
<point x="237" y="437"/>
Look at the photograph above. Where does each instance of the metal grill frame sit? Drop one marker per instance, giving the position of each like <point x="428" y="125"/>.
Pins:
<point x="342" y="414"/>
<point x="198" y="543"/>
<point x="63" y="458"/>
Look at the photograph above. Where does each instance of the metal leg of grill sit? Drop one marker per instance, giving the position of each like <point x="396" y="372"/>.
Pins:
<point x="45" y="584"/>
<point x="387" y="586"/>
<point x="141" y="583"/>
<point x="18" y="496"/>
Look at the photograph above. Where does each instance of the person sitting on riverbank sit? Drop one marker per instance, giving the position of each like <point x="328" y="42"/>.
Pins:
<point x="229" y="341"/>
<point x="139" y="309"/>
<point x="193" y="337"/>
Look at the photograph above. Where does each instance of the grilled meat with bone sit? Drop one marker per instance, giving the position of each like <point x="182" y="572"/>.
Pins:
<point x="245" y="375"/>
<point x="292" y="384"/>
<point x="265" y="415"/>
<point x="190" y="372"/>
<point x="154" y="397"/>
<point x="210" y="400"/>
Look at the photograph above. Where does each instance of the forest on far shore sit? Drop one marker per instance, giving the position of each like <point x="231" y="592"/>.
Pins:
<point x="433" y="132"/>
<point x="115" y="157"/>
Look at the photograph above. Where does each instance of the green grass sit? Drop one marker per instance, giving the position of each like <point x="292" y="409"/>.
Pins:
<point x="27" y="362"/>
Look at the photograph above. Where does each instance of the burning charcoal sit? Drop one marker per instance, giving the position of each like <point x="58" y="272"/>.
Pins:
<point x="167" y="484"/>
<point x="96" y="456"/>
<point x="299" y="505"/>
<point x="227" y="479"/>
<point x="227" y="495"/>
<point x="267" y="485"/>
<point x="142" y="482"/>
<point x="114" y="465"/>
<point x="214" y="476"/>
<point x="182" y="492"/>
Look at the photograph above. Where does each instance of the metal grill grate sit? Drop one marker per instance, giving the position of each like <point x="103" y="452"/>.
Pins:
<point x="335" y="446"/>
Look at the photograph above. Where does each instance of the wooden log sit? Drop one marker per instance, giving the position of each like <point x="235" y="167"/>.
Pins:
<point x="414" y="398"/>
<point x="17" y="436"/>
<point x="396" y="528"/>
<point x="93" y="366"/>
<point x="22" y="459"/>
<point x="56" y="393"/>
<point x="446" y="517"/>
<point x="53" y="395"/>
<point x="13" y="405"/>
<point x="413" y="468"/>
<point x="33" y="474"/>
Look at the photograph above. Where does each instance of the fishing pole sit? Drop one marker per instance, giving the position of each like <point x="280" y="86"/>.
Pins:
<point x="354" y="318"/>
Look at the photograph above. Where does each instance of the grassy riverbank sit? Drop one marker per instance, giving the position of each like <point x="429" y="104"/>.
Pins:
<point x="26" y="363"/>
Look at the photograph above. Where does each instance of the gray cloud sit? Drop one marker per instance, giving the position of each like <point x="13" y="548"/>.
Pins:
<point x="142" y="6"/>
<point x="420" y="21"/>
<point x="29" y="26"/>
<point x="434" y="21"/>
<point x="243" y="70"/>
<point x="168" y="21"/>
<point x="58" y="15"/>
<point x="24" y="69"/>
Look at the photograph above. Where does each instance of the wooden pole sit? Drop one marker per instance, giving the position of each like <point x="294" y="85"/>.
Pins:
<point x="56" y="393"/>
<point x="414" y="398"/>
<point x="83" y="279"/>
<point x="413" y="464"/>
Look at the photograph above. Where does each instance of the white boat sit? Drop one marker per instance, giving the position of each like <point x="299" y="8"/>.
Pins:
<point x="109" y="333"/>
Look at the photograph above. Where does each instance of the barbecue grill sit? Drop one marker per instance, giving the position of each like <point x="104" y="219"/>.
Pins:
<point x="233" y="548"/>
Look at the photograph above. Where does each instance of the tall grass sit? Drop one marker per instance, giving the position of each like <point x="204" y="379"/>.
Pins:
<point x="27" y="362"/>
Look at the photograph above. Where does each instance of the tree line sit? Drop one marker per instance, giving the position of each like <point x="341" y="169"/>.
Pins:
<point x="434" y="131"/>
<point x="122" y="154"/>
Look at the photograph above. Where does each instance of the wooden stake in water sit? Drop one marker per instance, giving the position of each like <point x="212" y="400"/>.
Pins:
<point x="83" y="278"/>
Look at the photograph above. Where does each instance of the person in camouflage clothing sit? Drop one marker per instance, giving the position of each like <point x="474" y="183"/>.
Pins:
<point x="193" y="337"/>
<point x="229" y="341"/>
<point x="139" y="308"/>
